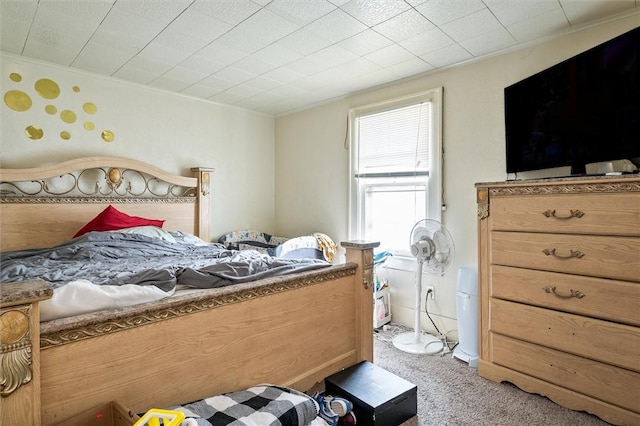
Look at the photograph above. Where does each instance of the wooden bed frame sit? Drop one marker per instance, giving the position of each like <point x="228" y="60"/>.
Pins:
<point x="292" y="330"/>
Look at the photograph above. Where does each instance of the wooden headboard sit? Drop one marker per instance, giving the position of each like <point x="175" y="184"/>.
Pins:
<point x="44" y="206"/>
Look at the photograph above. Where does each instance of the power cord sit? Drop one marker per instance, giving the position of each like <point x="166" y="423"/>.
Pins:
<point x="446" y="345"/>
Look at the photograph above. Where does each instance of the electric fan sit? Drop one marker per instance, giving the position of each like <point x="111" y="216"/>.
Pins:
<point x="432" y="246"/>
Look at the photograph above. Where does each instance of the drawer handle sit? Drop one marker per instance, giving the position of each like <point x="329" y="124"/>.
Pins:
<point x="572" y="293"/>
<point x="573" y="253"/>
<point x="572" y="214"/>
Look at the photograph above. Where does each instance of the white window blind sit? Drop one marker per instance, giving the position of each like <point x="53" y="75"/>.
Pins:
<point x="394" y="142"/>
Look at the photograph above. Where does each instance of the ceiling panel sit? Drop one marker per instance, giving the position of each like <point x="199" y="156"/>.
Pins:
<point x="275" y="56"/>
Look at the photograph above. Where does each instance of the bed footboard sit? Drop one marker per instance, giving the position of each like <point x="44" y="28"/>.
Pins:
<point x="292" y="331"/>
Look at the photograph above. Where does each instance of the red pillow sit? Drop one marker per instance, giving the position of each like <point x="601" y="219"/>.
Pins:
<point x="111" y="219"/>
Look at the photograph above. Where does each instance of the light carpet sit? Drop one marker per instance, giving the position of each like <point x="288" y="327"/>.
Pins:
<point x="452" y="393"/>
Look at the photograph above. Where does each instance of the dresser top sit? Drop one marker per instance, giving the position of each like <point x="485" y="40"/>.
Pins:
<point x="569" y="180"/>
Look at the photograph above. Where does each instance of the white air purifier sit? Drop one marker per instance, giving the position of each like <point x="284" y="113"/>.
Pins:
<point x="467" y="313"/>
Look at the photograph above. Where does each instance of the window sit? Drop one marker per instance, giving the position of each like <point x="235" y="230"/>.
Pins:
<point x="396" y="156"/>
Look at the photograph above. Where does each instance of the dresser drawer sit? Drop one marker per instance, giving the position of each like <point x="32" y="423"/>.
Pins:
<point x="597" y="256"/>
<point x="604" y="341"/>
<point x="603" y="214"/>
<point x="595" y="297"/>
<point x="615" y="385"/>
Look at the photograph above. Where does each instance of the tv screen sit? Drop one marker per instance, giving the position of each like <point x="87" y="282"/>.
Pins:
<point x="582" y="110"/>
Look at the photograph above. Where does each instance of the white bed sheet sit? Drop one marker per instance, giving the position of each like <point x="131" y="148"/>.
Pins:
<point x="82" y="296"/>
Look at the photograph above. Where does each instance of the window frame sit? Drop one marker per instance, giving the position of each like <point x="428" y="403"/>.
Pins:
<point x="434" y="180"/>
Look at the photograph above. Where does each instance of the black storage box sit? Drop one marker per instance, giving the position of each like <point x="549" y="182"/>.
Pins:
<point x="379" y="397"/>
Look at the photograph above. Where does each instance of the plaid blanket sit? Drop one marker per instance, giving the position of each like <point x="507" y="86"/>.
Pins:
<point x="263" y="405"/>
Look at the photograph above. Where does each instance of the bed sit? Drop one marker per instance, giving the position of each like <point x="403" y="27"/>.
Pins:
<point x="291" y="330"/>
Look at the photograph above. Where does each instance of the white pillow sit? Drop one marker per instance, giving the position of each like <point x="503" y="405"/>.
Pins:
<point x="188" y="238"/>
<point x="149" y="231"/>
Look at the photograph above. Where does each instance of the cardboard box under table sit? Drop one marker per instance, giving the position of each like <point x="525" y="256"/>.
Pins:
<point x="379" y="397"/>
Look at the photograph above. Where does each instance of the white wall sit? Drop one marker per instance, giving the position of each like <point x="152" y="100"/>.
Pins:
<point x="312" y="164"/>
<point x="170" y="131"/>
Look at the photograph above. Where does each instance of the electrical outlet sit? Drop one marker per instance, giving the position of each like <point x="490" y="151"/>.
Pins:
<point x="431" y="292"/>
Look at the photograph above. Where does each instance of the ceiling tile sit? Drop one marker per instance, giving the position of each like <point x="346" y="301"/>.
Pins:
<point x="64" y="46"/>
<point x="203" y="65"/>
<point x="218" y="53"/>
<point x="170" y="83"/>
<point x="253" y="65"/>
<point x="332" y="56"/>
<point x="144" y="61"/>
<point x="283" y="75"/>
<point x="162" y="12"/>
<point x="16" y="22"/>
<point x="307" y="65"/>
<point x="200" y="91"/>
<point x="71" y="16"/>
<point x="549" y="23"/>
<point x="13" y="35"/>
<point x="492" y="41"/>
<point x="103" y="59"/>
<point x="49" y="53"/>
<point x="276" y="54"/>
<point x="300" y="12"/>
<point x="162" y="53"/>
<point x="343" y="75"/>
<point x="137" y="30"/>
<point x="231" y="12"/>
<point x="234" y="75"/>
<point x="372" y="12"/>
<point x="471" y="26"/>
<point x="413" y="66"/>
<point x="446" y="56"/>
<point x="401" y="27"/>
<point x="427" y="42"/>
<point x="226" y="98"/>
<point x="262" y="83"/>
<point x="139" y="75"/>
<point x="377" y="78"/>
<point x="580" y="11"/>
<point x="216" y="82"/>
<point x="442" y="11"/>
<point x="389" y="56"/>
<point x="258" y="31"/>
<point x="510" y="12"/>
<point x="184" y="74"/>
<point x="365" y="42"/>
<point x="304" y="42"/>
<point x="336" y="26"/>
<point x="176" y="40"/>
<point x="198" y="25"/>
<point x="310" y="84"/>
<point x="244" y="91"/>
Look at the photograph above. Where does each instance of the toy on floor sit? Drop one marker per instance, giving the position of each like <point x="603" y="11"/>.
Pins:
<point x="158" y="417"/>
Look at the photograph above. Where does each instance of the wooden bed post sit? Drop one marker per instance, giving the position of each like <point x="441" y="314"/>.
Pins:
<point x="203" y="174"/>
<point x="20" y="351"/>
<point x="361" y="253"/>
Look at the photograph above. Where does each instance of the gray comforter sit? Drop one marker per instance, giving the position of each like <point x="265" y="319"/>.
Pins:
<point x="118" y="258"/>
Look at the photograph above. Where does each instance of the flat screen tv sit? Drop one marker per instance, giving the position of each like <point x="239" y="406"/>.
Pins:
<point x="583" y="110"/>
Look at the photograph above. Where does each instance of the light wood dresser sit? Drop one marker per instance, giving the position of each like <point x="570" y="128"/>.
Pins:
<point x="559" y="276"/>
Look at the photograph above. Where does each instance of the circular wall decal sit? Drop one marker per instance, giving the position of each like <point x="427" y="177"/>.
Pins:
<point x="68" y="116"/>
<point x="33" y="132"/>
<point x="17" y="100"/>
<point x="108" y="136"/>
<point x="48" y="89"/>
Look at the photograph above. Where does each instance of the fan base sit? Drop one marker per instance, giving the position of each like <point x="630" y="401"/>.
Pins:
<point x="421" y="344"/>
